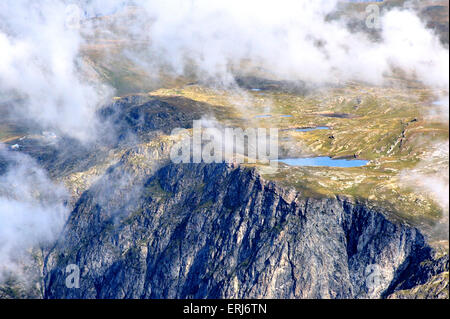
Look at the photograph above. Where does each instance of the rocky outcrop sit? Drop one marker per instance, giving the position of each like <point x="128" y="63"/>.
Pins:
<point x="222" y="231"/>
<point x="436" y="287"/>
<point x="138" y="115"/>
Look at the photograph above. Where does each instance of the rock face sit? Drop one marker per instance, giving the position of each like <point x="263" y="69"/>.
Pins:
<point x="139" y="115"/>
<point x="221" y="231"/>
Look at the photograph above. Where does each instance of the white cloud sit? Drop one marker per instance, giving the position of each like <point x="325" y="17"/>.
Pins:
<point x="284" y="35"/>
<point x="40" y="55"/>
<point x="32" y="209"/>
<point x="40" y="64"/>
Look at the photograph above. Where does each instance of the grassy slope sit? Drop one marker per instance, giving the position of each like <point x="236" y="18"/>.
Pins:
<point x="391" y="128"/>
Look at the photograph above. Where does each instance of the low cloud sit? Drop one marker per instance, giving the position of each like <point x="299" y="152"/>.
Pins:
<point x="41" y="69"/>
<point x="431" y="177"/>
<point x="293" y="40"/>
<point x="41" y="63"/>
<point x="32" y="209"/>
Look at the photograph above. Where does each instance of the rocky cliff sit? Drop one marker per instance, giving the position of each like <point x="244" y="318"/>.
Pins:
<point x="222" y="231"/>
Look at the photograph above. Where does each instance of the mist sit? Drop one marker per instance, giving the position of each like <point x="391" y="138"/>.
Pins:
<point x="40" y="66"/>
<point x="293" y="40"/>
<point x="44" y="70"/>
<point x="41" y="61"/>
<point x="426" y="179"/>
<point x="32" y="210"/>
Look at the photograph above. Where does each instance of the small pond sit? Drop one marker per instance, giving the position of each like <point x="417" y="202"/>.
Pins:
<point x="307" y="129"/>
<point x="323" y="161"/>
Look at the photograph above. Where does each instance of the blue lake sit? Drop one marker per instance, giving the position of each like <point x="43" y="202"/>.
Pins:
<point x="286" y="115"/>
<point x="312" y="129"/>
<point x="323" y="161"/>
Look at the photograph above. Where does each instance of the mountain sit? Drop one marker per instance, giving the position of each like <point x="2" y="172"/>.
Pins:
<point x="222" y="231"/>
<point x="96" y="96"/>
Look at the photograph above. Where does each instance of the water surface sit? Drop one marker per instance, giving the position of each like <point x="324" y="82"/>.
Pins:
<point x="307" y="129"/>
<point x="323" y="161"/>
